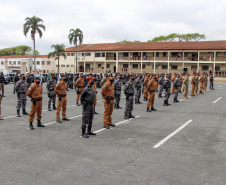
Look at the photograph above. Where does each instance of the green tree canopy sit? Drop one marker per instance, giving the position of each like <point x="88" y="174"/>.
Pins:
<point x="127" y="41"/>
<point x="17" y="50"/>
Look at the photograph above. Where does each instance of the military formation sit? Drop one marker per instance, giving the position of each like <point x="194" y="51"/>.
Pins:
<point x="86" y="85"/>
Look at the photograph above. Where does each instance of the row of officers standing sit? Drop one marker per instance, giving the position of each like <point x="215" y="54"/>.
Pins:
<point x="86" y="88"/>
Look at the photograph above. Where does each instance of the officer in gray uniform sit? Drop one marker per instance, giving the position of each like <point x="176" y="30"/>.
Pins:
<point x="129" y="92"/>
<point x="138" y="86"/>
<point x="21" y="90"/>
<point x="167" y="86"/>
<point x="161" y="82"/>
<point x="51" y="84"/>
<point x="87" y="99"/>
<point x="176" y="86"/>
<point x="117" y="91"/>
<point x="211" y="81"/>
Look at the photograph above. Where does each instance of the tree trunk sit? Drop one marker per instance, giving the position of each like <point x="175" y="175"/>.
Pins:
<point x="58" y="67"/>
<point x="76" y="58"/>
<point x="35" y="70"/>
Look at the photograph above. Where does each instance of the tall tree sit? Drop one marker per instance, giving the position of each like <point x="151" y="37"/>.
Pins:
<point x="58" y="51"/>
<point x="75" y="36"/>
<point x="35" y="25"/>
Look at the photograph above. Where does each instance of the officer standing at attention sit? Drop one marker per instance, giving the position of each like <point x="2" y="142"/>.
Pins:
<point x="51" y="84"/>
<point x="186" y="83"/>
<point x="117" y="91"/>
<point x="129" y="92"/>
<point x="172" y="80"/>
<point x="181" y="82"/>
<point x="161" y="82"/>
<point x="108" y="94"/>
<point x="71" y="81"/>
<point x="157" y="82"/>
<point x="197" y="84"/>
<point x="2" y="82"/>
<point x="61" y="91"/>
<point x="35" y="93"/>
<point x="138" y="86"/>
<point x="146" y="80"/>
<point x="167" y="86"/>
<point x="103" y="81"/>
<point x="211" y="82"/>
<point x="15" y="80"/>
<point x="176" y="85"/>
<point x="1" y="104"/>
<point x="28" y="80"/>
<point x="87" y="99"/>
<point x="151" y="93"/>
<point x="21" y="90"/>
<point x="205" y="82"/>
<point x="193" y="82"/>
<point x="201" y="81"/>
<point x="79" y="84"/>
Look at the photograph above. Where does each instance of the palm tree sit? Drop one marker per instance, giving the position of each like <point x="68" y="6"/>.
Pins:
<point x="59" y="51"/>
<point x="34" y="24"/>
<point x="73" y="37"/>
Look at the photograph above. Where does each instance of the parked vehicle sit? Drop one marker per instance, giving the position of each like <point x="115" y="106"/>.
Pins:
<point x="45" y="75"/>
<point x="7" y="79"/>
<point x="11" y="77"/>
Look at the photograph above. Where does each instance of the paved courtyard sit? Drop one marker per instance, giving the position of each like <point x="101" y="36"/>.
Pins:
<point x="180" y="144"/>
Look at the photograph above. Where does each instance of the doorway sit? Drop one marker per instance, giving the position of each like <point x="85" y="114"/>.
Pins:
<point x="114" y="69"/>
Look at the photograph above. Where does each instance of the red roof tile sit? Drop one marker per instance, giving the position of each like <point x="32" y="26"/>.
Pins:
<point x="145" y="46"/>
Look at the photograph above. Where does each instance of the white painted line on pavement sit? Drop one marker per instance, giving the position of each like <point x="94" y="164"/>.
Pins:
<point x="172" y="134"/>
<point x="217" y="100"/>
<point x="125" y="121"/>
<point x="189" y="96"/>
<point x="56" y="122"/>
<point x="10" y="117"/>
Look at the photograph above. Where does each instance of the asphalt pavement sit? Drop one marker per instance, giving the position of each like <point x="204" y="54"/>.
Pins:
<point x="183" y="143"/>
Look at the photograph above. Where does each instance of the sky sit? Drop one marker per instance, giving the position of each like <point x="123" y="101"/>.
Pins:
<point x="109" y="21"/>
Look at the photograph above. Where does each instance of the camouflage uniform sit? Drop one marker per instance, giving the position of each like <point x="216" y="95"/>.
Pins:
<point x="176" y="87"/>
<point x="129" y="92"/>
<point x="117" y="92"/>
<point x="21" y="90"/>
<point x="161" y="82"/>
<point x="167" y="86"/>
<point x="51" y="84"/>
<point x="138" y="86"/>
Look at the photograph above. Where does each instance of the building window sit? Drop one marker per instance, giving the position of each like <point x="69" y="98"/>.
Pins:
<point x="18" y="62"/>
<point x="81" y="54"/>
<point x="68" y="54"/>
<point x="14" y="62"/>
<point x="143" y="66"/>
<point x="67" y="65"/>
<point x="174" y="54"/>
<point x="62" y="65"/>
<point x="43" y="62"/>
<point x="135" y="66"/>
<point x="88" y="54"/>
<point x="125" y="66"/>
<point x="193" y="67"/>
<point x="164" y="66"/>
<point x="44" y="71"/>
<point x="38" y="62"/>
<point x="48" y="62"/>
<point x="47" y="71"/>
<point x="10" y="62"/>
<point x="185" y="54"/>
<point x="125" y="54"/>
<point x="99" y="65"/>
<point x="217" y="68"/>
<point x="157" y="54"/>
<point x="164" y="54"/>
<point x="205" y="68"/>
<point x="87" y="65"/>
<point x="108" y="66"/>
<point x="72" y="54"/>
<point x="103" y="54"/>
<point x="72" y="65"/>
<point x="2" y="62"/>
<point x="56" y="65"/>
<point x="97" y="54"/>
<point x="173" y="67"/>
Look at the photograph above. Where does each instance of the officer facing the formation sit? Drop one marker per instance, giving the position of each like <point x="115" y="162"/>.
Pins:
<point x="51" y="84"/>
<point x="152" y="86"/>
<point x="167" y="86"/>
<point x="129" y="92"/>
<point x="15" y="80"/>
<point x="35" y="93"/>
<point x="79" y="84"/>
<point x="117" y="91"/>
<point x="176" y="87"/>
<point x="61" y="92"/>
<point x="186" y="83"/>
<point x="211" y="82"/>
<point x="108" y="94"/>
<point x="87" y="99"/>
<point x="161" y="82"/>
<point x="138" y="86"/>
<point x="21" y="90"/>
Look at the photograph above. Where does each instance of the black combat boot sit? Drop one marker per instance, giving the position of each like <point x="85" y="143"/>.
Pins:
<point x="115" y="106"/>
<point x="165" y="103"/>
<point x="200" y="92"/>
<point x="84" y="133"/>
<point x="95" y="111"/>
<point x="139" y="101"/>
<point x="49" y="109"/>
<point x="153" y="109"/>
<point x="131" y="116"/>
<point x="118" y="106"/>
<point x="39" y="124"/>
<point x="148" y="110"/>
<point x="24" y="112"/>
<point x="136" y="102"/>
<point x="31" y="126"/>
<point x="126" y="116"/>
<point x="175" y="100"/>
<point x="54" y="107"/>
<point x="18" y="113"/>
<point x="89" y="131"/>
<point x="77" y="104"/>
